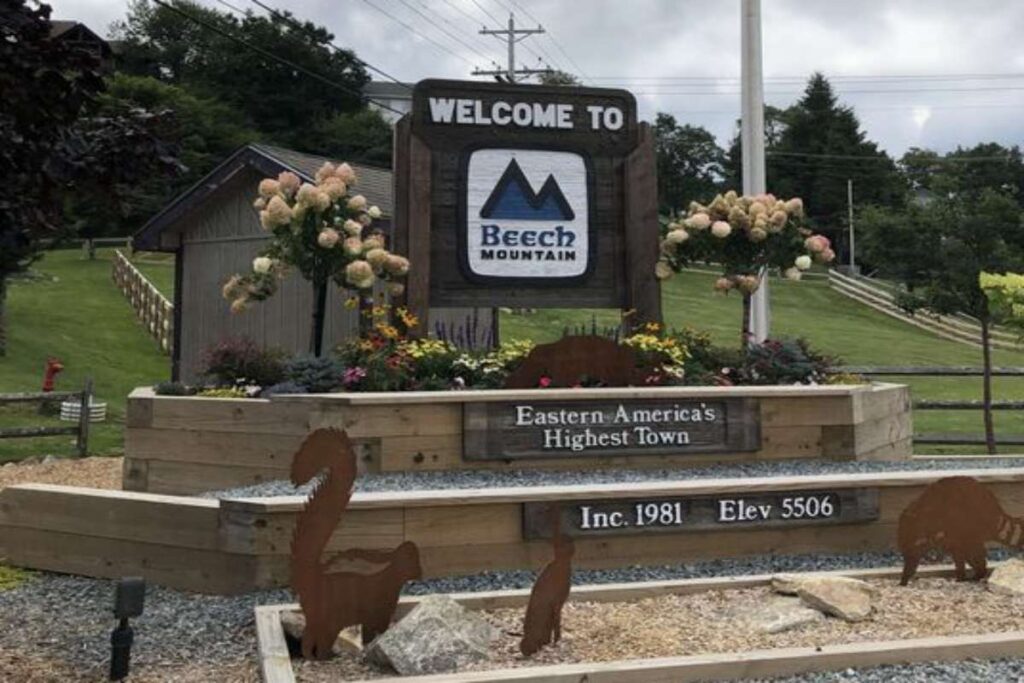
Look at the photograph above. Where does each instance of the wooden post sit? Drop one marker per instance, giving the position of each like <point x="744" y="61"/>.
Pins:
<point x="643" y="291"/>
<point x="83" y="418"/>
<point x="411" y="232"/>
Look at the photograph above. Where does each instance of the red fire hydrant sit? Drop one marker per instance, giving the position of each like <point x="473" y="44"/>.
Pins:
<point x="53" y="366"/>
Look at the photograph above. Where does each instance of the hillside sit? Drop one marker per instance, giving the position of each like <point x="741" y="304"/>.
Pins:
<point x="75" y="313"/>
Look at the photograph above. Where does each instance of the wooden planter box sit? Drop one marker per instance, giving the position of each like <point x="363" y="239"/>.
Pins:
<point x="276" y="664"/>
<point x="189" y="444"/>
<point x="233" y="546"/>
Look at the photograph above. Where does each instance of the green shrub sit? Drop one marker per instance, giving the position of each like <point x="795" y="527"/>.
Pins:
<point x="315" y="375"/>
<point x="785" y="361"/>
<point x="172" y="389"/>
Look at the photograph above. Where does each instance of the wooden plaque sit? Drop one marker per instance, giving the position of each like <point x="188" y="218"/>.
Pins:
<point x="539" y="196"/>
<point x="513" y="430"/>
<point x="703" y="513"/>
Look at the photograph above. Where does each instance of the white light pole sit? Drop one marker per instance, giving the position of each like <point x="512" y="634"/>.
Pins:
<point x="752" y="141"/>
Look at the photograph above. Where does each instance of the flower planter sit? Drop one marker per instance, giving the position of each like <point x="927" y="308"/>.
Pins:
<point x="191" y="444"/>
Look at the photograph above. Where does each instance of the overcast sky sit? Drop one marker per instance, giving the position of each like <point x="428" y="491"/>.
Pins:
<point x="682" y="56"/>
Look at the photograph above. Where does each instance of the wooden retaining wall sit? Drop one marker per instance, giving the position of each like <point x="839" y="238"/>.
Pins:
<point x="187" y="444"/>
<point x="232" y="546"/>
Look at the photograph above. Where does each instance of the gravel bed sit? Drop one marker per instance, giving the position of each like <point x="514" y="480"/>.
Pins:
<point x="716" y="622"/>
<point x="967" y="671"/>
<point x="471" y="479"/>
<point x="65" y="621"/>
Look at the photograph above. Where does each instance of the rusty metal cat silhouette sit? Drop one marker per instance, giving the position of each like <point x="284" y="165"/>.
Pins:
<point x="572" y="359"/>
<point x="955" y="515"/>
<point x="543" y="622"/>
<point x="332" y="600"/>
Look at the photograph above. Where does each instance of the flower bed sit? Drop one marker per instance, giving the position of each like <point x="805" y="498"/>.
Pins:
<point x="194" y="444"/>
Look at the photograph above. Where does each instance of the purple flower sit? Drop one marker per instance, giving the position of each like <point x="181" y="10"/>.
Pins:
<point x="352" y="376"/>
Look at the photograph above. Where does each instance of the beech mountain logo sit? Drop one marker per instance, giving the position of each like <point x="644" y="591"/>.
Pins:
<point x="512" y="230"/>
<point x="513" y="198"/>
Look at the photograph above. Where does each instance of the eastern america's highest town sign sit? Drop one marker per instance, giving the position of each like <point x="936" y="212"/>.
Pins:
<point x="538" y="195"/>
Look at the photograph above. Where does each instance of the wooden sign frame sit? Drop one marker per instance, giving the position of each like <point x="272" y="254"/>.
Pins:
<point x="430" y="173"/>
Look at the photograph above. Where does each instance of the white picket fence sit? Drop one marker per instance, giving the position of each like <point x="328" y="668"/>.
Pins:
<point x="152" y="308"/>
<point x="880" y="297"/>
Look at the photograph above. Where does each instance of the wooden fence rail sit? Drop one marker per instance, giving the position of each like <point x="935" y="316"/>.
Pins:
<point x="151" y="307"/>
<point x="81" y="430"/>
<point x="943" y="438"/>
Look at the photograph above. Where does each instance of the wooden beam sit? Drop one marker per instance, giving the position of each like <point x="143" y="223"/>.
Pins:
<point x="643" y="291"/>
<point x="412" y="162"/>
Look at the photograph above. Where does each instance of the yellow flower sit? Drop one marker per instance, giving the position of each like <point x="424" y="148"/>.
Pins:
<point x="407" y="318"/>
<point x="388" y="331"/>
<point x="351" y="302"/>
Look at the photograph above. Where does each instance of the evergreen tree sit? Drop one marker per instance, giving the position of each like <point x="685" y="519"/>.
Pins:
<point x="813" y="148"/>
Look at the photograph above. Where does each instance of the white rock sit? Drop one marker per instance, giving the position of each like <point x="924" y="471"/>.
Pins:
<point x="1008" y="578"/>
<point x="349" y="640"/>
<point x="438" y="636"/>
<point x="838" y="596"/>
<point x="780" y="614"/>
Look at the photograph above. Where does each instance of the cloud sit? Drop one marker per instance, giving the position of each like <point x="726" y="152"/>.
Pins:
<point x="659" y="48"/>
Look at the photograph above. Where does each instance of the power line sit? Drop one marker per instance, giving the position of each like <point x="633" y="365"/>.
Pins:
<point x="557" y="43"/>
<point x="506" y="8"/>
<point x="865" y="157"/>
<point x="486" y="13"/>
<point x="293" y="22"/>
<point x="461" y="29"/>
<point x="446" y="31"/>
<point x="803" y="79"/>
<point x="395" y="19"/>
<point x="512" y="36"/>
<point x="842" y="91"/>
<point x="270" y="55"/>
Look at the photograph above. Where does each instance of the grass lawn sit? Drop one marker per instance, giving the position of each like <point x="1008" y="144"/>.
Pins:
<point x="75" y="313"/>
<point x="855" y="333"/>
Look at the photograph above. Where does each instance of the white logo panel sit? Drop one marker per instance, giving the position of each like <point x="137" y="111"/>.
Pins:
<point x="527" y="214"/>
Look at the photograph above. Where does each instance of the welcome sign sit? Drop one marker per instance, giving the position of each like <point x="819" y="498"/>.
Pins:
<point x="529" y="191"/>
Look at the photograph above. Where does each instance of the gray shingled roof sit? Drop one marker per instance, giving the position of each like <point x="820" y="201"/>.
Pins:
<point x="374" y="183"/>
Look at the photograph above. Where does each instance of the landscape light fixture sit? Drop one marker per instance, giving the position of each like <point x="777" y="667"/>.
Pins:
<point x="128" y="603"/>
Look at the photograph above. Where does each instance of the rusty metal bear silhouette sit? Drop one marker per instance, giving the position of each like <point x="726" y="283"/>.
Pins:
<point x="956" y="515"/>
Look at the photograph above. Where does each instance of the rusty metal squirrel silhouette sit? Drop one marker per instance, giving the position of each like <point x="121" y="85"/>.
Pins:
<point x="543" y="622"/>
<point x="958" y="516"/>
<point x="570" y="359"/>
<point x="333" y="600"/>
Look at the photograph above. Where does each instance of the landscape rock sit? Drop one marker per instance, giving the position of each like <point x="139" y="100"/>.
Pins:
<point x="1008" y="578"/>
<point x="349" y="640"/>
<point x="786" y="584"/>
<point x="838" y="596"/>
<point x="779" y="614"/>
<point x="438" y="636"/>
<point x="48" y="460"/>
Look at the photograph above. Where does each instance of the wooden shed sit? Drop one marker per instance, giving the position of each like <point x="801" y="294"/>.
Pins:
<point x="214" y="231"/>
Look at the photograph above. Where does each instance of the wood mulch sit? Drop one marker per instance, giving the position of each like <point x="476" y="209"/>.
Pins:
<point x="711" y="622"/>
<point x="93" y="472"/>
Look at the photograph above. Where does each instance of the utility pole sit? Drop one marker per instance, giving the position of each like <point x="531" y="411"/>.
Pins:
<point x="752" y="141"/>
<point x="849" y="209"/>
<point x="511" y="35"/>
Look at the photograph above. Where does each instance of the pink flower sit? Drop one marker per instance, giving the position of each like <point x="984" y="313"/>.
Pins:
<point x="353" y="376"/>
<point x="327" y="238"/>
<point x="357" y="203"/>
<point x="268" y="188"/>
<point x="288" y="182"/>
<point x="816" y="244"/>
<point x="345" y="172"/>
<point x="544" y="382"/>
<point x="326" y="171"/>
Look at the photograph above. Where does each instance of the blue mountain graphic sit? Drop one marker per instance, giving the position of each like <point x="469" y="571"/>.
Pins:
<point x="513" y="198"/>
